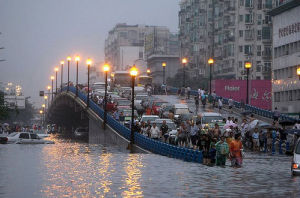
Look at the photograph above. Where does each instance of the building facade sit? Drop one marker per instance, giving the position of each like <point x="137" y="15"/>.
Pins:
<point x="286" y="50"/>
<point x="230" y="31"/>
<point x="161" y="46"/>
<point x="125" y="45"/>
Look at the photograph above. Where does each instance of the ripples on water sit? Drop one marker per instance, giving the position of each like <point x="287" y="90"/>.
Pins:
<point x="71" y="169"/>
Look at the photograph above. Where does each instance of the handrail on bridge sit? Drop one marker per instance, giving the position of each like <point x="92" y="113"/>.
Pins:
<point x="140" y="140"/>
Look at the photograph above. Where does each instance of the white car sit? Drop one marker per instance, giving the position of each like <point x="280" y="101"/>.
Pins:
<point x="26" y="138"/>
<point x="145" y="118"/>
<point x="296" y="159"/>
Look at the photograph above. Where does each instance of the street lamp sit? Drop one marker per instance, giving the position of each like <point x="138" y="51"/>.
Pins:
<point x="133" y="74"/>
<point x="164" y="64"/>
<point x="46" y="98"/>
<point x="69" y="59"/>
<point x="52" y="78"/>
<point x="184" y="62"/>
<point x="248" y="66"/>
<point x="298" y="72"/>
<point x="105" y="69"/>
<point x="210" y="62"/>
<point x="77" y="59"/>
<point x="56" y="70"/>
<point x="148" y="72"/>
<point x="49" y="88"/>
<point x="88" y="62"/>
<point x="62" y="73"/>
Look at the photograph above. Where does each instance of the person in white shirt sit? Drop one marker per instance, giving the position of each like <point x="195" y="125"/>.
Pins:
<point x="244" y="128"/>
<point x="220" y="104"/>
<point x="155" y="132"/>
<point x="297" y="125"/>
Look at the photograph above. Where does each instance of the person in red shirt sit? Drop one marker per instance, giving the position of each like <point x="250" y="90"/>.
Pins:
<point x="235" y="149"/>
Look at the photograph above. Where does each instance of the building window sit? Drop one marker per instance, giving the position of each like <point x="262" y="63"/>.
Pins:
<point x="241" y="33"/>
<point x="240" y="64"/>
<point x="241" y="2"/>
<point x="258" y="49"/>
<point x="248" y="18"/>
<point x="248" y="49"/>
<point x="259" y="18"/>
<point x="248" y="3"/>
<point x="277" y="96"/>
<point x="241" y="18"/>
<point x="258" y="34"/>
<point x="241" y="48"/>
<point x="266" y="33"/>
<point x="259" y="4"/>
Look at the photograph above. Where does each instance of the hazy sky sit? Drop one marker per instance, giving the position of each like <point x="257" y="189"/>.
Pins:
<point x="37" y="34"/>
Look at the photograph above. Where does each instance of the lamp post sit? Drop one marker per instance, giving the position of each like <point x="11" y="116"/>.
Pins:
<point x="133" y="74"/>
<point x="77" y="59"/>
<point x="105" y="69"/>
<point x="56" y="70"/>
<point x="62" y="74"/>
<point x="298" y="72"/>
<point x="248" y="66"/>
<point x="41" y="112"/>
<point x="88" y="62"/>
<point x="164" y="64"/>
<point x="49" y="88"/>
<point x="148" y="72"/>
<point x="184" y="62"/>
<point x="52" y="78"/>
<point x="46" y="98"/>
<point x="69" y="59"/>
<point x="210" y="62"/>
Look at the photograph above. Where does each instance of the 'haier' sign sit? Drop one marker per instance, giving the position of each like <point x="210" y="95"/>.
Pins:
<point x="259" y="91"/>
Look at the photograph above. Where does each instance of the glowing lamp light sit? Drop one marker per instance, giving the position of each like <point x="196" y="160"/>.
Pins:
<point x="210" y="61"/>
<point x="69" y="58"/>
<point x="148" y="71"/>
<point x="49" y="87"/>
<point x="45" y="97"/>
<point x="43" y="105"/>
<point x="88" y="62"/>
<point x="184" y="61"/>
<point x="62" y="62"/>
<point x="248" y="65"/>
<point x="56" y="69"/>
<point x="52" y="77"/>
<point x="133" y="71"/>
<point x="298" y="71"/>
<point x="77" y="58"/>
<point x="112" y="75"/>
<point x="164" y="64"/>
<point x="41" y="111"/>
<point x="106" y="68"/>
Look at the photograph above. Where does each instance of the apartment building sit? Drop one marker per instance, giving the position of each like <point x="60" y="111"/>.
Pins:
<point x="232" y="32"/>
<point x="286" y="48"/>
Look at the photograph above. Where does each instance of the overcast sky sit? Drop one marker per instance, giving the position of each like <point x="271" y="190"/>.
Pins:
<point x="37" y="34"/>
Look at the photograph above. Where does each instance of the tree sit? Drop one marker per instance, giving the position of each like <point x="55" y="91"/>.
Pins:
<point x="4" y="111"/>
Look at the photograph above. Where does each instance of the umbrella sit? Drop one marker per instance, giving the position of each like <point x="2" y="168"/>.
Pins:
<point x="293" y="131"/>
<point x="253" y="124"/>
<point x="286" y="122"/>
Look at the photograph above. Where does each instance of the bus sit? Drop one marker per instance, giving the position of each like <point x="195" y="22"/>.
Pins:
<point x="121" y="78"/>
<point x="144" y="81"/>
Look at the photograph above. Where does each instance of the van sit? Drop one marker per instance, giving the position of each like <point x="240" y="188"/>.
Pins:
<point x="180" y="109"/>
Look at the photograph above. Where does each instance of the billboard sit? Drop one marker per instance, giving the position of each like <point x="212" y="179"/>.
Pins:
<point x="259" y="91"/>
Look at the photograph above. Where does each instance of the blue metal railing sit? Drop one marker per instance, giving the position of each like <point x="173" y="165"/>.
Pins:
<point x="262" y="112"/>
<point x="142" y="141"/>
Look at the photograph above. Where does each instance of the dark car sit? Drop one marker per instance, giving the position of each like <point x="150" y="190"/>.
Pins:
<point x="3" y="140"/>
<point x="81" y="133"/>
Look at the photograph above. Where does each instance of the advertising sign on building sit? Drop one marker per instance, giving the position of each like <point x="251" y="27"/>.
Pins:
<point x="259" y="91"/>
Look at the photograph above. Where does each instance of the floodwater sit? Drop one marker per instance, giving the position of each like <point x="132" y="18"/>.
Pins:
<point x="76" y="169"/>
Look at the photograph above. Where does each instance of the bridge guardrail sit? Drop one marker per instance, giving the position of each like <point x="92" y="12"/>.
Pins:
<point x="142" y="141"/>
<point x="253" y="109"/>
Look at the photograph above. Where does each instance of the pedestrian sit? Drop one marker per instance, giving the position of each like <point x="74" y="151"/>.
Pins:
<point x="255" y="140"/>
<point x="276" y="114"/>
<point x="188" y="92"/>
<point x="194" y="132"/>
<point x="230" y="104"/>
<point x="154" y="131"/>
<point x="222" y="150"/>
<point x="297" y="125"/>
<point x="220" y="104"/>
<point x="182" y="135"/>
<point x="212" y="151"/>
<point x="206" y="148"/>
<point x="122" y="118"/>
<point x="116" y="115"/>
<point x="203" y="100"/>
<point x="262" y="140"/>
<point x="235" y="148"/>
<point x="214" y="97"/>
<point x="144" y="129"/>
<point x="164" y="131"/>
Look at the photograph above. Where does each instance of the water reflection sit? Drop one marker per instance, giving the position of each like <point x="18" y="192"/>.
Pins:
<point x="133" y="176"/>
<point x="104" y="174"/>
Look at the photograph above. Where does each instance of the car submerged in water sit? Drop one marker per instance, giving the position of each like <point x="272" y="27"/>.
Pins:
<point x="296" y="159"/>
<point x="26" y="138"/>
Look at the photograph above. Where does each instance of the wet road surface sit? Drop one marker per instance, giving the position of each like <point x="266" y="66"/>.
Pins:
<point x="73" y="169"/>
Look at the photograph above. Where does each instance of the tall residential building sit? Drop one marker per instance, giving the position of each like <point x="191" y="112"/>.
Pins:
<point x="125" y="45"/>
<point x="286" y="50"/>
<point x="161" y="46"/>
<point x="230" y="31"/>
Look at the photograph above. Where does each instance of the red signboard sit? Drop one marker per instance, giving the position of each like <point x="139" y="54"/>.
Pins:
<point x="259" y="91"/>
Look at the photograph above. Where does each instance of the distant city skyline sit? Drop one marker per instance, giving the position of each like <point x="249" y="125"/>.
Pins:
<point x="38" y="34"/>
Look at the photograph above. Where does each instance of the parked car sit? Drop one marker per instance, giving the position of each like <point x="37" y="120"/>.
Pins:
<point x="145" y="118"/>
<point x="211" y="118"/>
<point x="296" y="159"/>
<point x="26" y="138"/>
<point x="81" y="133"/>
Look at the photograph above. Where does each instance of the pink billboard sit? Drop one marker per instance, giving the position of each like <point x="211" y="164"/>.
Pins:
<point x="259" y="91"/>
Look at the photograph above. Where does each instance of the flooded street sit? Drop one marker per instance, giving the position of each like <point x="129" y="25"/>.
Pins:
<point x="74" y="169"/>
